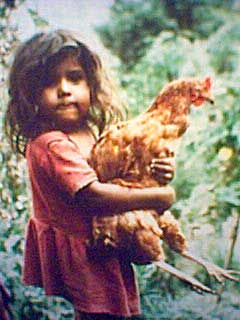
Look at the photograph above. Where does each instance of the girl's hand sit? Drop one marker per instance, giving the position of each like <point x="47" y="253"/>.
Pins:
<point x="163" y="170"/>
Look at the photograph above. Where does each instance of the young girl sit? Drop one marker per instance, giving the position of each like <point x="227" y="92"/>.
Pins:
<point x="60" y="101"/>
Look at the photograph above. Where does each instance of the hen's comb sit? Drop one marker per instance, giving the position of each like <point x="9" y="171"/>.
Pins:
<point x="208" y="82"/>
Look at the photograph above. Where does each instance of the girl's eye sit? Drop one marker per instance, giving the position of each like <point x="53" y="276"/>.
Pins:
<point x="49" y="81"/>
<point x="75" y="76"/>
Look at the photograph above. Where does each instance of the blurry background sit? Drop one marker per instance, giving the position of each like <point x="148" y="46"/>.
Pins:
<point x="79" y="15"/>
<point x="146" y="44"/>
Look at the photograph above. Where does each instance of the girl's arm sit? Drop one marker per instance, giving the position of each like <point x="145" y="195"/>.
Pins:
<point x="105" y="197"/>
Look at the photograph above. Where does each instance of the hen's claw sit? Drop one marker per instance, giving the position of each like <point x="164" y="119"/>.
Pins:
<point x="213" y="270"/>
<point x="219" y="273"/>
<point x="194" y="283"/>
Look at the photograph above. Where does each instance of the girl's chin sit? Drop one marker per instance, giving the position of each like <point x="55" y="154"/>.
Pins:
<point x="70" y="126"/>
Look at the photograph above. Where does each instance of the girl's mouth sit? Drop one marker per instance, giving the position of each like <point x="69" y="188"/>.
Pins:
<point x="67" y="106"/>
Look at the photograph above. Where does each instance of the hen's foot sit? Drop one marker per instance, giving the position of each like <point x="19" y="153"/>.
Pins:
<point x="220" y="274"/>
<point x="212" y="269"/>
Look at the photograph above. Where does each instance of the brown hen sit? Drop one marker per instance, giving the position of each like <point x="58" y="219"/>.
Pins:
<point x="123" y="155"/>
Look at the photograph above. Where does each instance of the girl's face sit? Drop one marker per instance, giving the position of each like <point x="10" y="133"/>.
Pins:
<point x="65" y="95"/>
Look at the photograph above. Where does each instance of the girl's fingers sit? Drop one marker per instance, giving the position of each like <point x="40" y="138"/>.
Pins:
<point x="164" y="161"/>
<point x="162" y="177"/>
<point x="163" y="169"/>
<point x="167" y="177"/>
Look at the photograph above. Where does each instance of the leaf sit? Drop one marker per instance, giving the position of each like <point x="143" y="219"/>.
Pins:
<point x="11" y="242"/>
<point x="236" y="131"/>
<point x="229" y="194"/>
<point x="225" y="153"/>
<point x="38" y="20"/>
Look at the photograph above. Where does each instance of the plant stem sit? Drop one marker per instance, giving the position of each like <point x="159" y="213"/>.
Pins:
<point x="232" y="243"/>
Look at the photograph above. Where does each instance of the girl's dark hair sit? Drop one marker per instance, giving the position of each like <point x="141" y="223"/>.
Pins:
<point x="21" y="119"/>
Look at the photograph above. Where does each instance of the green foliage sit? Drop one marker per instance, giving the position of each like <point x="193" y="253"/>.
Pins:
<point x="223" y="48"/>
<point x="168" y="58"/>
<point x="192" y="306"/>
<point x="206" y="21"/>
<point x="39" y="22"/>
<point x="133" y="25"/>
<point x="199" y="16"/>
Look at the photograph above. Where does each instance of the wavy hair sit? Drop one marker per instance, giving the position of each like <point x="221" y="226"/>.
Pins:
<point x="22" y="120"/>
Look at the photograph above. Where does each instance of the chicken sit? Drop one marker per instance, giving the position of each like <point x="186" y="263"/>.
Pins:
<point x="118" y="155"/>
<point x="123" y="155"/>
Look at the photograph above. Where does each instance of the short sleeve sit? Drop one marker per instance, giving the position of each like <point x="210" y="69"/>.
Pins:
<point x="70" y="169"/>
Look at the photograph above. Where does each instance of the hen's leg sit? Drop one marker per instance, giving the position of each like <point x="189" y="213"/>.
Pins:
<point x="194" y="283"/>
<point x="173" y="235"/>
<point x="213" y="270"/>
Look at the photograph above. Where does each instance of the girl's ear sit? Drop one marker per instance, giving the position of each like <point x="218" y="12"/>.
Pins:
<point x="208" y="82"/>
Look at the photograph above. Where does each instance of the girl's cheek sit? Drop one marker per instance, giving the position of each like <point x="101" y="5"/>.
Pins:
<point x="47" y="97"/>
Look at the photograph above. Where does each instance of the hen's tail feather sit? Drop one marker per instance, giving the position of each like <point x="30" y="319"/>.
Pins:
<point x="194" y="283"/>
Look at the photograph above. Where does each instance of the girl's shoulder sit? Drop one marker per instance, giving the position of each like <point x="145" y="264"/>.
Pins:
<point x="53" y="143"/>
<point x="41" y="145"/>
<point x="46" y="138"/>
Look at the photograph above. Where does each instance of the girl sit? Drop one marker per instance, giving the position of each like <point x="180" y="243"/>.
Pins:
<point x="60" y="101"/>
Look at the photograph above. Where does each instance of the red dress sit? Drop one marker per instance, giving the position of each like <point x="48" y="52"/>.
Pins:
<point x="55" y="251"/>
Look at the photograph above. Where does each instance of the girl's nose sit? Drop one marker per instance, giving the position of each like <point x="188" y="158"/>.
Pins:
<point x="63" y="88"/>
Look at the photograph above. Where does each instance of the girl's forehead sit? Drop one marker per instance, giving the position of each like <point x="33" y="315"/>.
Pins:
<point x="63" y="61"/>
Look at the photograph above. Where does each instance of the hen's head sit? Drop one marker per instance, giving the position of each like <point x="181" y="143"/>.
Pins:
<point x="200" y="92"/>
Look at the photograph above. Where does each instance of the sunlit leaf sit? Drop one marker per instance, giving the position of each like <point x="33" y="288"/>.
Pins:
<point x="225" y="153"/>
<point x="37" y="19"/>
